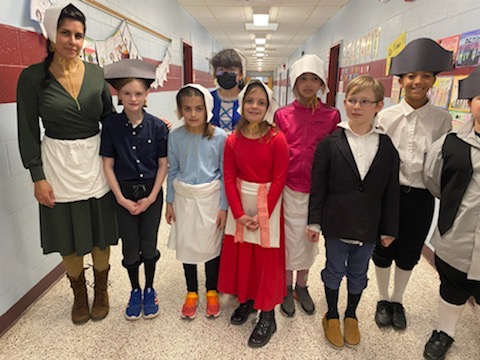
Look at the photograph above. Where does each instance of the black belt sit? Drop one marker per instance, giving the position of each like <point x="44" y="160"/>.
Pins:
<point x="409" y="189"/>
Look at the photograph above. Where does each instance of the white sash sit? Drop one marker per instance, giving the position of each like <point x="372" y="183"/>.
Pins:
<point x="194" y="235"/>
<point x="248" y="194"/>
<point x="74" y="168"/>
<point x="300" y="253"/>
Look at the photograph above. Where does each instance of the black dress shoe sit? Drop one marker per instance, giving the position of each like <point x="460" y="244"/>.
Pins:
<point x="437" y="346"/>
<point x="399" y="321"/>
<point x="242" y="312"/>
<point x="264" y="329"/>
<point x="383" y="314"/>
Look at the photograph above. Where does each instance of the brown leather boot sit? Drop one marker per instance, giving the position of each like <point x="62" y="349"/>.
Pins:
<point x="100" y="303"/>
<point x="80" y="310"/>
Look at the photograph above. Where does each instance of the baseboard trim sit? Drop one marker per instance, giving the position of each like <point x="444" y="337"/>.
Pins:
<point x="8" y="319"/>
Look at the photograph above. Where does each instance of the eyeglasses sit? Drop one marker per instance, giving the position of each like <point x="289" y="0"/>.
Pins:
<point x="363" y="103"/>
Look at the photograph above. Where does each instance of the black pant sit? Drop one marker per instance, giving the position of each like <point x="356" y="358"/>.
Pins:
<point x="139" y="232"/>
<point x="416" y="213"/>
<point x="455" y="288"/>
<point x="211" y="274"/>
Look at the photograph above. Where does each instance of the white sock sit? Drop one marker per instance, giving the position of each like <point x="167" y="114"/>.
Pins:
<point x="383" y="280"/>
<point x="401" y="281"/>
<point x="449" y="314"/>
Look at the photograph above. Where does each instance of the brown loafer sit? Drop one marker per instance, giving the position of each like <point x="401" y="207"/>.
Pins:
<point x="352" y="334"/>
<point x="333" y="332"/>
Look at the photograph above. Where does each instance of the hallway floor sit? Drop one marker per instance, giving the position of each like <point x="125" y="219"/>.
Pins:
<point x="46" y="331"/>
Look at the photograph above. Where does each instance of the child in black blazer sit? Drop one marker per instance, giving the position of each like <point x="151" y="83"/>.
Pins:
<point x="354" y="202"/>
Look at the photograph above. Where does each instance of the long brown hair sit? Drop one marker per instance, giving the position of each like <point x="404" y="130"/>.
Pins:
<point x="209" y="129"/>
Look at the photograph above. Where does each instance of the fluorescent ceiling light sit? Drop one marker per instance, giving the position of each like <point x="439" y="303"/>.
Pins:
<point x="259" y="54"/>
<point x="269" y="27"/>
<point x="260" y="48"/>
<point x="260" y="41"/>
<point x="260" y="19"/>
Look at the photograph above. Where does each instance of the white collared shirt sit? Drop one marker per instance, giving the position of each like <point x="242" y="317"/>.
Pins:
<point x="412" y="132"/>
<point x="364" y="147"/>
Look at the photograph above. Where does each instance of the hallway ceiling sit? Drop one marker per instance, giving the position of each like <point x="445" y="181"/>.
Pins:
<point x="297" y="21"/>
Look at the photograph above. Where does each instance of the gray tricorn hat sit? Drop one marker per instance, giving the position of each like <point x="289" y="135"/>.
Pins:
<point x="422" y="55"/>
<point x="469" y="87"/>
<point x="129" y="68"/>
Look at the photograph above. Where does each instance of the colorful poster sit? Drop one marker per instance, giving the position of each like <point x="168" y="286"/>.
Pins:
<point x="89" y="53"/>
<point x="130" y="49"/>
<point x="394" y="49"/>
<point x="376" y="41"/>
<point x="450" y="43"/>
<point x="37" y="12"/>
<point x="363" y="48"/>
<point x="469" y="49"/>
<point x="455" y="103"/>
<point x="396" y="90"/>
<point x="439" y="94"/>
<point x="370" y="45"/>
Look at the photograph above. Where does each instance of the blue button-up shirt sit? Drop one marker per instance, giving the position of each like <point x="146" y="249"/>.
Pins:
<point x="135" y="150"/>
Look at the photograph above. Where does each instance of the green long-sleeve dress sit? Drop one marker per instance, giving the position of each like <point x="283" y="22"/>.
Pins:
<point x="77" y="226"/>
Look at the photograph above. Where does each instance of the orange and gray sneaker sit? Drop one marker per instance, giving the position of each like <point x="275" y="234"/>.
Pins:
<point x="213" y="306"/>
<point x="189" y="309"/>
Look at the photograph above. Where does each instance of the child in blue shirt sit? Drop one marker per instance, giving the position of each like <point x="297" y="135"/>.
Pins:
<point x="134" y="150"/>
<point x="196" y="202"/>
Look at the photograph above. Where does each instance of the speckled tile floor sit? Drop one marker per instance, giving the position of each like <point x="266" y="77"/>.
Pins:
<point x="46" y="332"/>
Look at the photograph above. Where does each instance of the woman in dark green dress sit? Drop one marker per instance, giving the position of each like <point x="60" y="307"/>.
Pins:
<point x="77" y="214"/>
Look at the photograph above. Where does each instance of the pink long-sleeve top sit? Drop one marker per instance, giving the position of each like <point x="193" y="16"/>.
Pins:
<point x="303" y="131"/>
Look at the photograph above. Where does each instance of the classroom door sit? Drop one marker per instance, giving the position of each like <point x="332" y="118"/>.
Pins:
<point x="333" y="74"/>
<point x="187" y="64"/>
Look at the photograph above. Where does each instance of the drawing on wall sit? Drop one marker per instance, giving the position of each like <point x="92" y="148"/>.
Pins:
<point x="455" y="103"/>
<point x="394" y="49"/>
<point x="469" y="49"/>
<point x="37" y="12"/>
<point x="439" y="94"/>
<point x="450" y="43"/>
<point x="89" y="53"/>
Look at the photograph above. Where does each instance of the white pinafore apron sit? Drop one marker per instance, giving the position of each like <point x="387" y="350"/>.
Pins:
<point x="194" y="233"/>
<point x="74" y="168"/>
<point x="268" y="233"/>
<point x="300" y="253"/>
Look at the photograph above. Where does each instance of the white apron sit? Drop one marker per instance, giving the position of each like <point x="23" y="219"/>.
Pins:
<point x="74" y="168"/>
<point x="194" y="235"/>
<point x="249" y="192"/>
<point x="300" y="253"/>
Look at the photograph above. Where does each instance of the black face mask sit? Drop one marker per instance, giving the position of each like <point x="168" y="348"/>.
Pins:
<point x="227" y="80"/>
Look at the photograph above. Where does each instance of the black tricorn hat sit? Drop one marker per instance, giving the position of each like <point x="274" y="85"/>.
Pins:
<point x="469" y="87"/>
<point x="129" y="68"/>
<point x="422" y="55"/>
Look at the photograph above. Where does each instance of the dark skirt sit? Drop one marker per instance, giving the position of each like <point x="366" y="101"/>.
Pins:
<point x="79" y="226"/>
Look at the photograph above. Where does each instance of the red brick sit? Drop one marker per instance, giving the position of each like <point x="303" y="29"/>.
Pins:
<point x="32" y="47"/>
<point x="9" y="54"/>
<point x="9" y="76"/>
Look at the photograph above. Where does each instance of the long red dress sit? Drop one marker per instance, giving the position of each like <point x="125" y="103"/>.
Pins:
<point x="248" y="270"/>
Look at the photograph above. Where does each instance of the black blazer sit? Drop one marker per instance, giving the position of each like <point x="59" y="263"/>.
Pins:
<point x="345" y="206"/>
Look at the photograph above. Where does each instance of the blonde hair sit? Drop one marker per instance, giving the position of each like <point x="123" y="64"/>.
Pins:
<point x="365" y="82"/>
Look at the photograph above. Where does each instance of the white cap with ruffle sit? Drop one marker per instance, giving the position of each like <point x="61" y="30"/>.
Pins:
<point x="273" y="106"/>
<point x="309" y="63"/>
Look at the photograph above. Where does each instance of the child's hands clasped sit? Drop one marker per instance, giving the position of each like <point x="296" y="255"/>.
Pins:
<point x="250" y="222"/>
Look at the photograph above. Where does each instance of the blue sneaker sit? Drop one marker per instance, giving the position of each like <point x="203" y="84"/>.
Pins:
<point x="134" y="307"/>
<point x="150" y="304"/>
